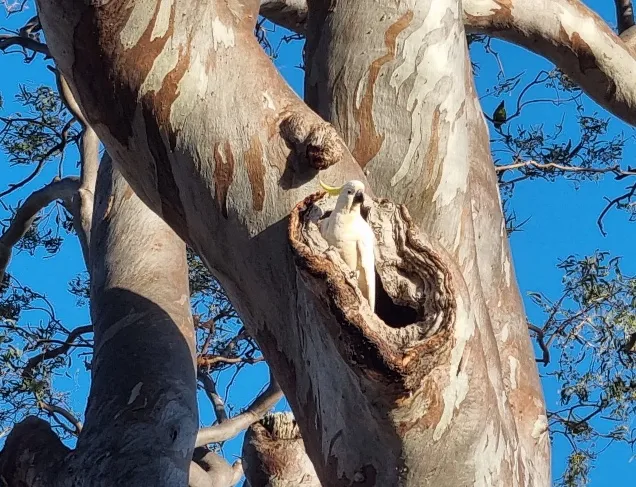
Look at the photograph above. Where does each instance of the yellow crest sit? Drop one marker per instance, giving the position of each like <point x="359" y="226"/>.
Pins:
<point x="330" y="189"/>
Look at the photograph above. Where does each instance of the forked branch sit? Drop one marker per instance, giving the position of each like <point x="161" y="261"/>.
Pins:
<point x="89" y="152"/>
<point x="232" y="427"/>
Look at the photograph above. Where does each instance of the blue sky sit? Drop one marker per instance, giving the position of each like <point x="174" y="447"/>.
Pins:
<point x="562" y="222"/>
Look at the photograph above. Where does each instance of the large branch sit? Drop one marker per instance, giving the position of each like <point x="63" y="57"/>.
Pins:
<point x="83" y="201"/>
<point x="230" y="428"/>
<point x="141" y="418"/>
<point x="570" y="35"/>
<point x="567" y="33"/>
<point x="26" y="214"/>
<point x="208" y="469"/>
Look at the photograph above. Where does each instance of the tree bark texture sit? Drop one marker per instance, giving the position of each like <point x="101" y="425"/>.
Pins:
<point x="141" y="417"/>
<point x="224" y="157"/>
<point x="402" y="104"/>
<point x="274" y="454"/>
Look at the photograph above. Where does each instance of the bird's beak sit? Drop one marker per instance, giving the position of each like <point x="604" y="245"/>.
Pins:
<point x="359" y="197"/>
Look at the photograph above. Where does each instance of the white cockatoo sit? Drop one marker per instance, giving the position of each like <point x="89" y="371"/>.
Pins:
<point x="351" y="235"/>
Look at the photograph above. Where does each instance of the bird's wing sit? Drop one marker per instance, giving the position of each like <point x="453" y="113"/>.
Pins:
<point x="366" y="265"/>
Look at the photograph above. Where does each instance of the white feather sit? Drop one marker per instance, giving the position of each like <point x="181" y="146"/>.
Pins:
<point x="351" y="235"/>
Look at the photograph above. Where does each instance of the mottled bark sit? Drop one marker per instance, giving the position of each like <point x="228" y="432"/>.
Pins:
<point x="406" y="118"/>
<point x="141" y="419"/>
<point x="274" y="454"/>
<point x="223" y="157"/>
<point x="566" y="32"/>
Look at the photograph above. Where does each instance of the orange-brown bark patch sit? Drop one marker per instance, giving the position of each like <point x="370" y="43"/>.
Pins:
<point x="369" y="142"/>
<point x="256" y="172"/>
<point x="223" y="174"/>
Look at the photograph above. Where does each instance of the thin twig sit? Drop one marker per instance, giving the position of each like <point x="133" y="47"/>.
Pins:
<point x="610" y="204"/>
<point x="616" y="169"/>
<point x="57" y="351"/>
<point x="57" y="148"/>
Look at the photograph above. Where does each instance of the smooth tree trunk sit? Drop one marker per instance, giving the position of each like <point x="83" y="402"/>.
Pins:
<point x="141" y="419"/>
<point x="444" y="369"/>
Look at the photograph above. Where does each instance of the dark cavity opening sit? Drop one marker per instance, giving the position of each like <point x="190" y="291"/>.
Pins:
<point x="394" y="315"/>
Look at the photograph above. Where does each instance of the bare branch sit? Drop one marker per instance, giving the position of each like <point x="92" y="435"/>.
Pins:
<point x="57" y="351"/>
<point x="615" y="202"/>
<point x="24" y="217"/>
<point x="595" y="58"/>
<point x="56" y="148"/>
<point x="232" y="427"/>
<point x="89" y="152"/>
<point x="624" y="15"/>
<point x="210" y="389"/>
<point x="7" y="41"/>
<point x="616" y="169"/>
<point x="66" y="414"/>
<point x="208" y="360"/>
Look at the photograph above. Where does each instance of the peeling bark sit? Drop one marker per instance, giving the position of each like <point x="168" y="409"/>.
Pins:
<point x="415" y="123"/>
<point x="384" y="398"/>
<point x="274" y="454"/>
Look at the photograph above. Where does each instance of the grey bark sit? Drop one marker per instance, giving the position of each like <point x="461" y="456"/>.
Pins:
<point x="141" y="419"/>
<point x="432" y="381"/>
<point x="274" y="454"/>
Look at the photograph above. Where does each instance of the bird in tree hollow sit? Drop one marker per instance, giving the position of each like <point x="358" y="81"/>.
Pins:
<point x="347" y="231"/>
<point x="499" y="117"/>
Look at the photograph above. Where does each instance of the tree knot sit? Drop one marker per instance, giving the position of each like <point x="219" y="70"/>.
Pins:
<point x="312" y="139"/>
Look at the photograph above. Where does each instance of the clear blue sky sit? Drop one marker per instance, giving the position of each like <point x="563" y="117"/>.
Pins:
<point x="563" y="222"/>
